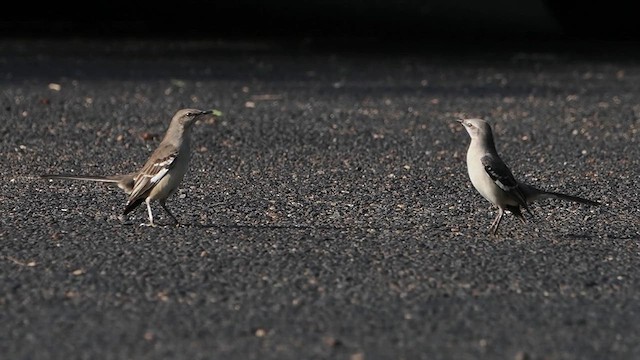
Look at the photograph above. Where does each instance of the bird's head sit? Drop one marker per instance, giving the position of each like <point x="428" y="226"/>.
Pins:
<point x="186" y="117"/>
<point x="477" y="128"/>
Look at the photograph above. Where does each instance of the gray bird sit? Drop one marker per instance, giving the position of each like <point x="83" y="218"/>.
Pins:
<point x="494" y="181"/>
<point x="161" y="175"/>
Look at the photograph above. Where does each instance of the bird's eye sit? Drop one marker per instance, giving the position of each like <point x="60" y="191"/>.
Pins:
<point x="189" y="114"/>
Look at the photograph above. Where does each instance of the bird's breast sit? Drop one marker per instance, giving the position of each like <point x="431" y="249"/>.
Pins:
<point x="483" y="183"/>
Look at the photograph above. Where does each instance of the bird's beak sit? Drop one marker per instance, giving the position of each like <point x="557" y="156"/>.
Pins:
<point x="214" y="112"/>
<point x="209" y="119"/>
<point x="460" y="120"/>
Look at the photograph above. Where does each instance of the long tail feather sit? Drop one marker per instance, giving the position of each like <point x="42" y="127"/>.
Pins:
<point x="533" y="194"/>
<point x="124" y="182"/>
<point x="109" y="179"/>
<point x="570" y="198"/>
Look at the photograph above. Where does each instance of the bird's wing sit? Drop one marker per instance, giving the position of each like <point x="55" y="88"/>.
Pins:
<point x="159" y="163"/>
<point x="502" y="176"/>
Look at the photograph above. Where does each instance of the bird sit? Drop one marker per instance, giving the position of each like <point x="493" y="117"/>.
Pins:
<point x="493" y="179"/>
<point x="163" y="171"/>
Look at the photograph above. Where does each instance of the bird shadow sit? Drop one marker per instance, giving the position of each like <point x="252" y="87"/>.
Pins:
<point x="263" y="226"/>
<point x="295" y="226"/>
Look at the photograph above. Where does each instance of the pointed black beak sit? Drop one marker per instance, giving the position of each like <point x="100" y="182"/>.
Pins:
<point x="212" y="111"/>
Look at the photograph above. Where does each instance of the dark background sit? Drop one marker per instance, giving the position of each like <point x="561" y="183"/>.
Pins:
<point x="392" y="22"/>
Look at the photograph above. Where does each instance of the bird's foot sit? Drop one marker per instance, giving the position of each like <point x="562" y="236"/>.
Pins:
<point x="149" y="225"/>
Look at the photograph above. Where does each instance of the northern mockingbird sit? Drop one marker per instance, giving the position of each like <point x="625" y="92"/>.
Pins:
<point x="495" y="182"/>
<point x="162" y="173"/>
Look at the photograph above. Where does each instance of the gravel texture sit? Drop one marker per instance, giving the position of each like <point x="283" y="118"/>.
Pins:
<point x="328" y="211"/>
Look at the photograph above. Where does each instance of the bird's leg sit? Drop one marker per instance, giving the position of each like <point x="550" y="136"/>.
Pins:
<point x="493" y="229"/>
<point x="163" y="203"/>
<point x="151" y="223"/>
<point x="515" y="210"/>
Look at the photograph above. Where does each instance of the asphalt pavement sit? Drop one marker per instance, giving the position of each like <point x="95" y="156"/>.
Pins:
<point x="327" y="214"/>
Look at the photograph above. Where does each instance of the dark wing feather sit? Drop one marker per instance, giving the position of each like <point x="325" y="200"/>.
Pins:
<point x="502" y="176"/>
<point x="132" y="205"/>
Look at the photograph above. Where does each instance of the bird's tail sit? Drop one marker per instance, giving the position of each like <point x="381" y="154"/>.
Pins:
<point x="551" y="194"/>
<point x="533" y="194"/>
<point x="107" y="179"/>
<point x="124" y="182"/>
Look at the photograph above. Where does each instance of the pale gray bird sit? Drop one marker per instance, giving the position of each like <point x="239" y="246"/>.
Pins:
<point x="495" y="182"/>
<point x="161" y="175"/>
